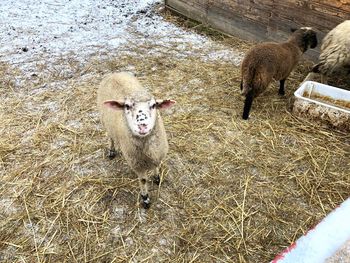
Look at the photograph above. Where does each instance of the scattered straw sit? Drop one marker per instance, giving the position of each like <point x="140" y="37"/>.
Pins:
<point x="231" y="190"/>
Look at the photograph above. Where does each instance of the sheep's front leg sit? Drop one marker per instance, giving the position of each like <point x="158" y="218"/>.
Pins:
<point x="156" y="177"/>
<point x="112" y="153"/>
<point x="324" y="79"/>
<point x="281" y="90"/>
<point x="145" y="200"/>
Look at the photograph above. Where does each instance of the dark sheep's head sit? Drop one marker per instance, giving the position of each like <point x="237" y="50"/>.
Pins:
<point x="306" y="37"/>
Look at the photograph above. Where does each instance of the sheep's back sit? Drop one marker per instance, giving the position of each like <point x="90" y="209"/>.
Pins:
<point x="335" y="49"/>
<point x="339" y="35"/>
<point x="112" y="88"/>
<point x="122" y="85"/>
<point x="265" y="62"/>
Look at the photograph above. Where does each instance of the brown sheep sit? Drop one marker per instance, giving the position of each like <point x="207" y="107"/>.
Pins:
<point x="268" y="61"/>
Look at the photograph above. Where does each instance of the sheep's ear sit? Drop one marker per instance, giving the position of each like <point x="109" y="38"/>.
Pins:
<point x="293" y="30"/>
<point x="164" y="104"/>
<point x="113" y="104"/>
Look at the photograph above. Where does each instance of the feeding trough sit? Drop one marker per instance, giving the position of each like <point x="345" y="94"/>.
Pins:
<point x="327" y="242"/>
<point x="323" y="103"/>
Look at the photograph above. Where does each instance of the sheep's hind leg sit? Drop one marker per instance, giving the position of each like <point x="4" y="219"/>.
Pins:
<point x="111" y="152"/>
<point x="247" y="104"/>
<point x="145" y="200"/>
<point x="281" y="90"/>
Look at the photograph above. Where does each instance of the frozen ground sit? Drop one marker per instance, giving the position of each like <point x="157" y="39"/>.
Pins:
<point x="40" y="32"/>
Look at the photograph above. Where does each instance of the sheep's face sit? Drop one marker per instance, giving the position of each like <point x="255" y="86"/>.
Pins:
<point x="140" y="115"/>
<point x="310" y="37"/>
<point x="307" y="37"/>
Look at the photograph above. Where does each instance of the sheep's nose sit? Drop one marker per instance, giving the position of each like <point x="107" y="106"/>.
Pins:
<point x="142" y="128"/>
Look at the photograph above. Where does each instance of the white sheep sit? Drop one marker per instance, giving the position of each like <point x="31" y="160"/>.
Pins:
<point x="130" y="116"/>
<point x="268" y="61"/>
<point x="335" y="51"/>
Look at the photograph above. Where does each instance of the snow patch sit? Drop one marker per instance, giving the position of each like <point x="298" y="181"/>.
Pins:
<point x="39" y="33"/>
<point x="75" y="124"/>
<point x="120" y="213"/>
<point x="7" y="207"/>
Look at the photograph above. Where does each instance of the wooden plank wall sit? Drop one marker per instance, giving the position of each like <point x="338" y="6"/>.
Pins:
<point x="265" y="20"/>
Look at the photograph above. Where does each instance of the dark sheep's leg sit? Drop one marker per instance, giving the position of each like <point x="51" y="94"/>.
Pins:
<point x="112" y="153"/>
<point x="156" y="177"/>
<point x="247" y="104"/>
<point x="241" y="86"/>
<point x="145" y="200"/>
<point x="281" y="90"/>
<point x="316" y="68"/>
<point x="324" y="79"/>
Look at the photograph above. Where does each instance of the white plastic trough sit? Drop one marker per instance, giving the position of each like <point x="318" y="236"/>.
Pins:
<point x="321" y="242"/>
<point x="330" y="114"/>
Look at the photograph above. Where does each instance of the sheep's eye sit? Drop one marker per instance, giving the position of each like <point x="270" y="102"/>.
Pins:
<point x="127" y="107"/>
<point x="153" y="106"/>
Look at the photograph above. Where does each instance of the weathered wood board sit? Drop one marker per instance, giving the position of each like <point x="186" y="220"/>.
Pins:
<point x="265" y="20"/>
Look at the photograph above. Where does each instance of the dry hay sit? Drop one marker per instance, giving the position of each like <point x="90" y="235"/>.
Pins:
<point x="232" y="190"/>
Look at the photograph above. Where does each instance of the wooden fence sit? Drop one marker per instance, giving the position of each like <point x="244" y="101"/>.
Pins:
<point x="262" y="20"/>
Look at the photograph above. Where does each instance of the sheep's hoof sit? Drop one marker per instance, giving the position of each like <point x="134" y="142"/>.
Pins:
<point x="281" y="93"/>
<point x="245" y="117"/>
<point x="156" y="179"/>
<point x="111" y="154"/>
<point x="145" y="201"/>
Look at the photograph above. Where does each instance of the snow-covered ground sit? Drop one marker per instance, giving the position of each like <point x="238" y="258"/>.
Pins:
<point x="33" y="32"/>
